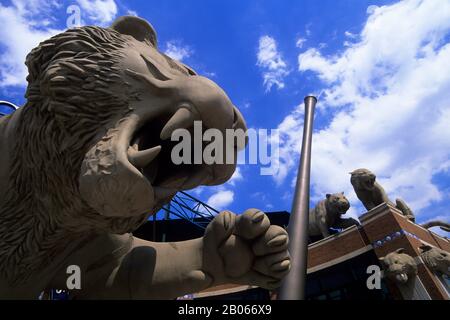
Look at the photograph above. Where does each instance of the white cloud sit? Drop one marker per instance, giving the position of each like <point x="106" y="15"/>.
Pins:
<point x="246" y="105"/>
<point x="308" y="29"/>
<point x="274" y="68"/>
<point x="371" y="9"/>
<point x="350" y="35"/>
<point x="237" y="176"/>
<point x="209" y="74"/>
<point x="221" y="199"/>
<point x="389" y="98"/>
<point x="177" y="51"/>
<point x="222" y="196"/>
<point x="132" y="13"/>
<point x="290" y="133"/>
<point x="198" y="191"/>
<point x="299" y="43"/>
<point x="98" y="11"/>
<point x="28" y="23"/>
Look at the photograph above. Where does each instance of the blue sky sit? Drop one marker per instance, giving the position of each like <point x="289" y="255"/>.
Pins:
<point x="380" y="68"/>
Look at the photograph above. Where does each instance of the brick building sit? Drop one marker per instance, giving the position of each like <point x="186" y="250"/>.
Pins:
<point x="383" y="230"/>
<point x="337" y="265"/>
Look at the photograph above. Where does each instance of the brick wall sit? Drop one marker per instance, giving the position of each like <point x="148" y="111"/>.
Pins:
<point x="385" y="221"/>
<point x="335" y="247"/>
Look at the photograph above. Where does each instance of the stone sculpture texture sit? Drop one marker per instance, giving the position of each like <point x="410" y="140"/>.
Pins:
<point x="87" y="159"/>
<point x="399" y="266"/>
<point x="372" y="194"/>
<point x="328" y="214"/>
<point x="436" y="259"/>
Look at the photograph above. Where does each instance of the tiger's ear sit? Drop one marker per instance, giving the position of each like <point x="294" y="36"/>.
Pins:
<point x="136" y="27"/>
<point x="400" y="250"/>
<point x="342" y="192"/>
<point x="328" y="195"/>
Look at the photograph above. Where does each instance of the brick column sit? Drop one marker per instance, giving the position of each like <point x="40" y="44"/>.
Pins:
<point x="388" y="230"/>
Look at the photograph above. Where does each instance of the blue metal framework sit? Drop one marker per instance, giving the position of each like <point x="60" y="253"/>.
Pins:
<point x="187" y="207"/>
<point x="7" y="108"/>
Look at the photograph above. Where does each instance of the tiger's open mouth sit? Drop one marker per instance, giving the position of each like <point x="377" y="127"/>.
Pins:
<point x="369" y="183"/>
<point x="343" y="208"/>
<point x="149" y="150"/>
<point x="401" y="277"/>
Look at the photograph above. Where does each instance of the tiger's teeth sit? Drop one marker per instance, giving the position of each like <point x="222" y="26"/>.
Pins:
<point x="402" y="277"/>
<point x="141" y="159"/>
<point x="182" y="119"/>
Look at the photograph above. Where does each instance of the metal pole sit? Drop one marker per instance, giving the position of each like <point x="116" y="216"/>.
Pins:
<point x="293" y="286"/>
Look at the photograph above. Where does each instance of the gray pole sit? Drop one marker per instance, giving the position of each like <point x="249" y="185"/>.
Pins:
<point x="293" y="286"/>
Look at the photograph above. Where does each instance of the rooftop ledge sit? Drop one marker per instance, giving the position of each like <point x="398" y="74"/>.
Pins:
<point x="385" y="208"/>
<point x="332" y="237"/>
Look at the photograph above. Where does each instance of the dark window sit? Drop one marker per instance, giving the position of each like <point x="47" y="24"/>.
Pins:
<point x="345" y="281"/>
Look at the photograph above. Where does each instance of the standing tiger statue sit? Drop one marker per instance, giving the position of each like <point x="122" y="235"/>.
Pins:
<point x="328" y="213"/>
<point x="372" y="194"/>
